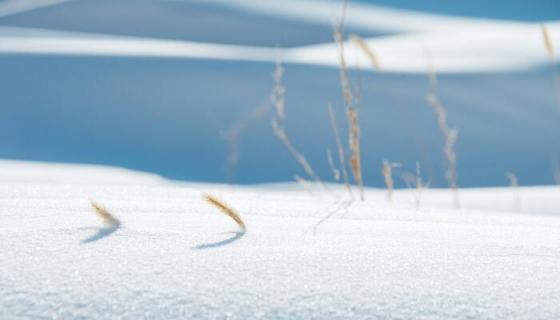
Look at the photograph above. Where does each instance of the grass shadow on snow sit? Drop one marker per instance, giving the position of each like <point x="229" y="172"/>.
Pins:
<point x="235" y="236"/>
<point x="102" y="233"/>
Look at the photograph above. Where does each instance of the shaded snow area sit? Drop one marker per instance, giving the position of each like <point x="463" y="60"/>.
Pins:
<point x="185" y="94"/>
<point x="176" y="257"/>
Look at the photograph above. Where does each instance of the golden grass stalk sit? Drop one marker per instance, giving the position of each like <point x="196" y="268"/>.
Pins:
<point x="450" y="136"/>
<point x="372" y="57"/>
<point x="341" y="156"/>
<point x="387" y="173"/>
<point x="548" y="42"/>
<point x="353" y="127"/>
<point x="300" y="158"/>
<point x="514" y="183"/>
<point x="278" y="129"/>
<point x="335" y="171"/>
<point x="107" y="218"/>
<point x="355" y="159"/>
<point x="225" y="209"/>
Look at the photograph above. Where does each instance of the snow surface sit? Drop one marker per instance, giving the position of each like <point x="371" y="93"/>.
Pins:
<point x="175" y="257"/>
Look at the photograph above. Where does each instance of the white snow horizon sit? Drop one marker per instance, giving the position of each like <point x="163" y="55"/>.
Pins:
<point x="418" y="42"/>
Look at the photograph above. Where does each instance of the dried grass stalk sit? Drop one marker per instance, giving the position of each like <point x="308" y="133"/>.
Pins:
<point x="278" y="128"/>
<point x="300" y="158"/>
<point x="344" y="81"/>
<point x="416" y="181"/>
<point x="107" y="218"/>
<point x="355" y="159"/>
<point x="514" y="183"/>
<point x="353" y="127"/>
<point x="335" y="171"/>
<point x="556" y="173"/>
<point x="550" y="50"/>
<point x="342" y="207"/>
<point x="278" y="101"/>
<point x="341" y="156"/>
<point x="227" y="210"/>
<point x="372" y="57"/>
<point x="387" y="173"/>
<point x="450" y="136"/>
<point x="432" y="75"/>
<point x="278" y="92"/>
<point x="305" y="184"/>
<point x="420" y="186"/>
<point x="548" y="42"/>
<point x="233" y="136"/>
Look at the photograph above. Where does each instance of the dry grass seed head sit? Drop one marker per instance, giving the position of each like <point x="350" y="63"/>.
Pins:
<point x="106" y="217"/>
<point x="224" y="208"/>
<point x="372" y="57"/>
<point x="548" y="42"/>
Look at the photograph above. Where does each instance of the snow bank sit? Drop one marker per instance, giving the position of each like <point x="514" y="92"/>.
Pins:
<point x="175" y="257"/>
<point x="453" y="44"/>
<point x="473" y="49"/>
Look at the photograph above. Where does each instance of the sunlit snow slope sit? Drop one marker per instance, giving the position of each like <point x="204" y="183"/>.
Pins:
<point x="176" y="257"/>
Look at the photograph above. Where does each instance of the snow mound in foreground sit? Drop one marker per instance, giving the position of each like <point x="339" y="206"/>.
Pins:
<point x="176" y="257"/>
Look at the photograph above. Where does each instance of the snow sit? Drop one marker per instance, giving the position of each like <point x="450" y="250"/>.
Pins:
<point x="447" y="44"/>
<point x="470" y="49"/>
<point x="359" y="15"/>
<point x="175" y="257"/>
<point x="68" y="43"/>
<point x="157" y="84"/>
